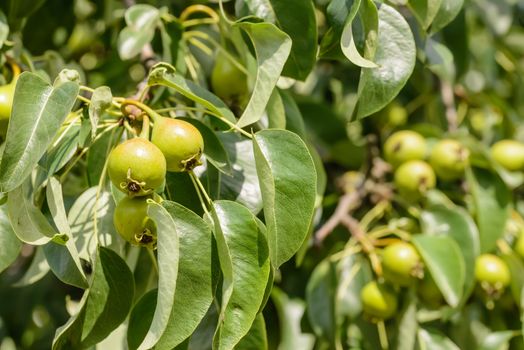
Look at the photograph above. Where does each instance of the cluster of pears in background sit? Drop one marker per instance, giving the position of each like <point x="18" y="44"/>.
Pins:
<point x="417" y="166"/>
<point x="448" y="159"/>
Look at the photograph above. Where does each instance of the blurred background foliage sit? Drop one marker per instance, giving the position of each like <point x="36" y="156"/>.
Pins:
<point x="475" y="64"/>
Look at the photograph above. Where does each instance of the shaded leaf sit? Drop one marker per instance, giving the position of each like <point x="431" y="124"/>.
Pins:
<point x="448" y="10"/>
<point x="290" y="313"/>
<point x="272" y="48"/>
<point x="425" y="10"/>
<point x="243" y="186"/>
<point x="87" y="208"/>
<point x="4" y="28"/>
<point x="62" y="150"/>
<point x="440" y="60"/>
<point x="497" y="340"/>
<point x="10" y="244"/>
<point x="28" y="222"/>
<point x="140" y="319"/>
<point x="303" y="33"/>
<point x="516" y="268"/>
<point x="256" y="338"/>
<point x="434" y="340"/>
<point x="492" y="203"/>
<point x="141" y="21"/>
<point x="369" y="21"/>
<point x="320" y="296"/>
<point x="443" y="258"/>
<point x="36" y="271"/>
<point x="407" y="324"/>
<point x="457" y="224"/>
<point x="104" y="306"/>
<point x="100" y="101"/>
<point x="202" y="338"/>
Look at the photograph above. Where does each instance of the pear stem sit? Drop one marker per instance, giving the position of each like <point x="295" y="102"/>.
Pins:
<point x="145" y="127"/>
<point x="150" y="112"/>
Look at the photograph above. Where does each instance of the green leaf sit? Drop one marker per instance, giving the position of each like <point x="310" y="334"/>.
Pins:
<point x="498" y="340"/>
<point x="407" y="324"/>
<point x="62" y="150"/>
<point x="174" y="49"/>
<point x="28" y="222"/>
<point x="256" y="338"/>
<point x="290" y="313"/>
<point x="87" y="208"/>
<point x="492" y="204"/>
<point x="10" y="244"/>
<point x="302" y="30"/>
<point x="196" y="275"/>
<point x="257" y="8"/>
<point x="243" y="186"/>
<point x="516" y="268"/>
<point x="38" y="111"/>
<point x="213" y="148"/>
<point x="272" y="48"/>
<point x="36" y="271"/>
<point x="104" y="306"/>
<point x="336" y="12"/>
<point x="457" y="224"/>
<point x="370" y="22"/>
<point x="55" y="202"/>
<point x="303" y="33"/>
<point x="141" y="21"/>
<point x="395" y="57"/>
<point x="288" y="184"/>
<point x="181" y="189"/>
<point x="440" y="60"/>
<point x="64" y="261"/>
<point x="140" y="319"/>
<point x="97" y="155"/>
<point x="444" y="260"/>
<point x="434" y="340"/>
<point x="100" y="101"/>
<point x="4" y="28"/>
<point x="168" y="253"/>
<point x="320" y="296"/>
<point x="500" y="23"/>
<point x="202" y="338"/>
<point x="448" y="10"/>
<point x="294" y="119"/>
<point x="275" y="116"/>
<point x="353" y="273"/>
<point x="164" y="74"/>
<point x="425" y="11"/>
<point x="243" y="295"/>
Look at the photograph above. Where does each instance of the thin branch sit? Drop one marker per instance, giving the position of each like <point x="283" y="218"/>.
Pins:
<point x="448" y="98"/>
<point x="347" y="202"/>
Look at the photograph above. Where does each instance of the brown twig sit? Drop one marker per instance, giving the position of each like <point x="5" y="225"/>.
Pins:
<point x="347" y="202"/>
<point x="359" y="234"/>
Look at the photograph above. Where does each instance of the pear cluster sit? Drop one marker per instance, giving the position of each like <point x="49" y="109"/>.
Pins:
<point x="138" y="168"/>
